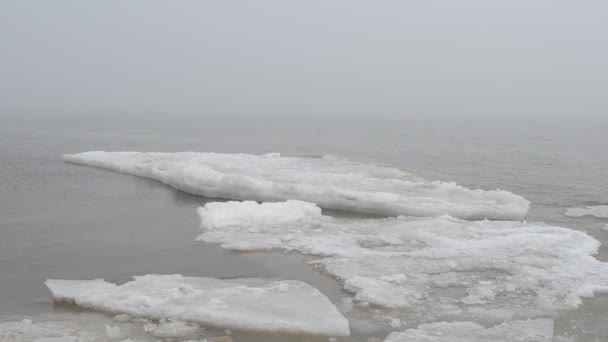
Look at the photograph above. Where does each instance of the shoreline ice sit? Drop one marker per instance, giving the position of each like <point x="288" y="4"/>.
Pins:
<point x="250" y="304"/>
<point x="330" y="182"/>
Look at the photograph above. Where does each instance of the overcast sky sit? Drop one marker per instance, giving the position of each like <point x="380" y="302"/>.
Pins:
<point x="364" y="58"/>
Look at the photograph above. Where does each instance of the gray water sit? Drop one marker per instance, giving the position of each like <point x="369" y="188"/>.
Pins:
<point x="60" y="220"/>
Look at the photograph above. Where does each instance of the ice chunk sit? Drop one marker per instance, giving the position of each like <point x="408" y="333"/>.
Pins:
<point x="538" y="330"/>
<point x="413" y="262"/>
<point x="331" y="183"/>
<point x="93" y="327"/>
<point x="26" y="330"/>
<point x="600" y="211"/>
<point x="113" y="331"/>
<point x="248" y="304"/>
<point x="252" y="214"/>
<point x="172" y="329"/>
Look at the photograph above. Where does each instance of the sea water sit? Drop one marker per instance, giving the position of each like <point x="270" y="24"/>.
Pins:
<point x="65" y="221"/>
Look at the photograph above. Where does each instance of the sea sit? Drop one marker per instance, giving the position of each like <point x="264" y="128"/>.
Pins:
<point x="65" y="221"/>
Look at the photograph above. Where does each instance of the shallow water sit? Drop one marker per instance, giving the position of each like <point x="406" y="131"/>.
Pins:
<point x="59" y="220"/>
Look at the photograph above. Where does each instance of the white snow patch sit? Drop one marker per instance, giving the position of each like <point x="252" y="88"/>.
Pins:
<point x="600" y="211"/>
<point x="248" y="304"/>
<point x="538" y="330"/>
<point x="330" y="182"/>
<point x="413" y="262"/>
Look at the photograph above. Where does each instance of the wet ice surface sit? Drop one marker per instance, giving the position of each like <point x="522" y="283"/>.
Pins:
<point x="252" y="304"/>
<point x="331" y="182"/>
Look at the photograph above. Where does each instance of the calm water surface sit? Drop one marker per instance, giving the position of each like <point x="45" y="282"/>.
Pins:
<point x="59" y="220"/>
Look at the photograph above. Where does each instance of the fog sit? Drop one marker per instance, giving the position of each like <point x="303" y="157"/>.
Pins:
<point x="162" y="59"/>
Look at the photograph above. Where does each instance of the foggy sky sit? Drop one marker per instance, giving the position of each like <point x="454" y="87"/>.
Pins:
<point x="360" y="58"/>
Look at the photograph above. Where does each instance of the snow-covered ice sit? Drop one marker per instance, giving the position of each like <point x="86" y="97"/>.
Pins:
<point x="434" y="265"/>
<point x="600" y="211"/>
<point x="250" y="304"/>
<point x="537" y="330"/>
<point x="330" y="182"/>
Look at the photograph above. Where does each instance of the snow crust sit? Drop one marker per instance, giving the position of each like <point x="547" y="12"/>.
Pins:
<point x="600" y="211"/>
<point x="250" y="304"/>
<point x="330" y="182"/>
<point x="432" y="265"/>
<point x="538" y="330"/>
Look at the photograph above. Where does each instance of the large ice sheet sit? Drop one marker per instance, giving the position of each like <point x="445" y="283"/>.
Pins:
<point x="250" y="304"/>
<point x="330" y="182"/>
<point x="600" y="211"/>
<point x="431" y="264"/>
<point x="538" y="330"/>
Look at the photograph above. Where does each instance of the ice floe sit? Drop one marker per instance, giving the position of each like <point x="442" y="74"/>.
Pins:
<point x="330" y="182"/>
<point x="600" y="211"/>
<point x="249" y="304"/>
<point x="538" y="330"/>
<point x="435" y="265"/>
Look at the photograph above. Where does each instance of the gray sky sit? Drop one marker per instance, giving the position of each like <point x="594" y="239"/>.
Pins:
<point x="363" y="58"/>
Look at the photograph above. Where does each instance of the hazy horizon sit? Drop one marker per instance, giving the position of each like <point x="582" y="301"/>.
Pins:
<point x="316" y="58"/>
